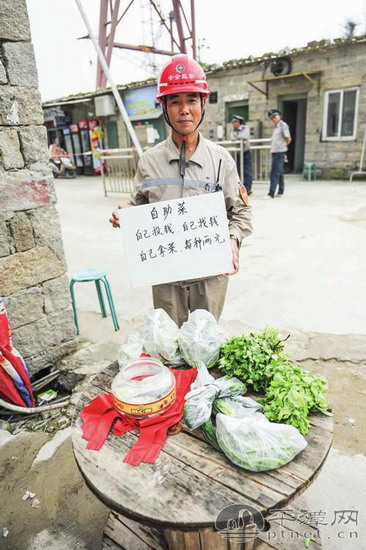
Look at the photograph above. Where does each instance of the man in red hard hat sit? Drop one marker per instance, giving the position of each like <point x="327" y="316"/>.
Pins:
<point x="187" y="164"/>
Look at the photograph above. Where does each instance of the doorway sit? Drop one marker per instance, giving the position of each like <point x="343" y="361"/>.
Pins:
<point x="294" y="113"/>
<point x="112" y="134"/>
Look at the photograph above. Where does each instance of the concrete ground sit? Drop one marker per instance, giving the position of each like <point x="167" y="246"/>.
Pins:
<point x="302" y="271"/>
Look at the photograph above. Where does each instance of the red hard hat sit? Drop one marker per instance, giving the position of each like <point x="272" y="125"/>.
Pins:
<point x="181" y="74"/>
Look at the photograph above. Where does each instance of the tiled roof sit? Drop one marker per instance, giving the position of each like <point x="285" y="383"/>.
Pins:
<point x="309" y="48"/>
<point x="227" y="65"/>
<point x="87" y="95"/>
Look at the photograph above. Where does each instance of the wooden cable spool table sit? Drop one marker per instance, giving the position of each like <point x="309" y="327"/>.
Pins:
<point x="177" y="499"/>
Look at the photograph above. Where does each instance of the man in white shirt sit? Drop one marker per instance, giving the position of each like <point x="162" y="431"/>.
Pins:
<point x="281" y="138"/>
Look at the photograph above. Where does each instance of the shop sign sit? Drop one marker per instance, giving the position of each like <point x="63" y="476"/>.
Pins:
<point x="175" y="240"/>
<point x="141" y="103"/>
<point x="51" y="113"/>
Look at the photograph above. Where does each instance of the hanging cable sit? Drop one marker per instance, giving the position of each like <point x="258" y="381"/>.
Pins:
<point x="182" y="157"/>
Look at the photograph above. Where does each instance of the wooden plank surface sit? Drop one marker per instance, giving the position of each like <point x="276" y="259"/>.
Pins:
<point x="289" y="530"/>
<point x="191" y="481"/>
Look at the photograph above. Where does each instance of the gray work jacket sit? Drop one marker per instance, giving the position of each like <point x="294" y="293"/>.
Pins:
<point x="157" y="179"/>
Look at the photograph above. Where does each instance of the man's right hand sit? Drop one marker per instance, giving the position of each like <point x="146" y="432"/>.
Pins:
<point x="114" y="220"/>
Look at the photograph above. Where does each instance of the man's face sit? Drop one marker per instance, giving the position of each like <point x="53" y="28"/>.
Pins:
<point x="236" y="124"/>
<point x="275" y="119"/>
<point x="185" y="111"/>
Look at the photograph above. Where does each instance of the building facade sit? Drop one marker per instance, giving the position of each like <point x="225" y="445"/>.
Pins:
<point x="320" y="89"/>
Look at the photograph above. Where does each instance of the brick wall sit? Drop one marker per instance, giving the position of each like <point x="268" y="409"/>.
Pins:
<point x="33" y="279"/>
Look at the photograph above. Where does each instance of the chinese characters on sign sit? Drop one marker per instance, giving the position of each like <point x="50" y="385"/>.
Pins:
<point x="176" y="240"/>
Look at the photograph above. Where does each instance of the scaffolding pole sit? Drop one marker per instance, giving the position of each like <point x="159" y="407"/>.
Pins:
<point x="106" y="70"/>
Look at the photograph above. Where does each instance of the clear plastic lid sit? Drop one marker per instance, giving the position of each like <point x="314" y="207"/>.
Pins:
<point x="142" y="381"/>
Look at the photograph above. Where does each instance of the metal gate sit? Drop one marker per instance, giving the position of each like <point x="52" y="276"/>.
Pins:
<point x="261" y="157"/>
<point x="118" y="170"/>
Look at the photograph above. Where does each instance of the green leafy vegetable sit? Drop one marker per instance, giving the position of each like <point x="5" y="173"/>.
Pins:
<point x="290" y="393"/>
<point x="248" y="356"/>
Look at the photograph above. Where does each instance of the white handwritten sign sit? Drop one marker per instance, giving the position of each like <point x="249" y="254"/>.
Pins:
<point x="176" y="240"/>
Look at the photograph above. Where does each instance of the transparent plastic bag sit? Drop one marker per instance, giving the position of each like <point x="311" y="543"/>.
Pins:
<point x="237" y="406"/>
<point x="255" y="443"/>
<point x="203" y="376"/>
<point x="160" y="337"/>
<point x="130" y="349"/>
<point x="198" y="405"/>
<point x="200" y="338"/>
<point x="199" y="401"/>
<point x="230" y="386"/>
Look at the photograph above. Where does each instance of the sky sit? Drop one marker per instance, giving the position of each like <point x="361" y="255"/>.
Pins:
<point x="67" y="65"/>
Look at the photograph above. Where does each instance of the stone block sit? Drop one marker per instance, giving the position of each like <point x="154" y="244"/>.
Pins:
<point x="24" y="189"/>
<point x="5" y="215"/>
<point x="3" y="77"/>
<point x="5" y="239"/>
<point x="62" y="325"/>
<point x="56" y="294"/>
<point x="21" y="229"/>
<point x="58" y="248"/>
<point x="10" y="154"/>
<point x="33" y="140"/>
<point x="24" y="307"/>
<point x="26" y="269"/>
<point x="48" y="358"/>
<point x="14" y="22"/>
<point x="36" y="339"/>
<point x="20" y="64"/>
<point x="46" y="224"/>
<point x="20" y="105"/>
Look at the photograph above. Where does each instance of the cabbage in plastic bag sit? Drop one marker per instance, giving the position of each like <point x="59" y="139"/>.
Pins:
<point x="198" y="405"/>
<point x="200" y="338"/>
<point x="160" y="337"/>
<point x="199" y="401"/>
<point x="229" y="386"/>
<point x="237" y="406"/>
<point x="255" y="443"/>
<point x="130" y="349"/>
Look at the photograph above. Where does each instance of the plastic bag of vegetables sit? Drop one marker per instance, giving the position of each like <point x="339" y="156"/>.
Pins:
<point x="255" y="443"/>
<point x="203" y="376"/>
<point x="130" y="349"/>
<point x="199" y="402"/>
<point x="160" y="337"/>
<point x="237" y="406"/>
<point x="200" y="338"/>
<point x="198" y="405"/>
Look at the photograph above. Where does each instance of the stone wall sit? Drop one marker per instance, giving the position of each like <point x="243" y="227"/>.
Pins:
<point x="33" y="279"/>
<point x="339" y="66"/>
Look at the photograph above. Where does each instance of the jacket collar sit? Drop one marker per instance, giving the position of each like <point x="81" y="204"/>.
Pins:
<point x="197" y="157"/>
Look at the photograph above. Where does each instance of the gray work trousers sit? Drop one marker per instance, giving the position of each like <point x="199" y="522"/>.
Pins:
<point x="182" y="297"/>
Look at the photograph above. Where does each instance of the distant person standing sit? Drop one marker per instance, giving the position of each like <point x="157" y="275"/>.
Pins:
<point x="281" y="138"/>
<point x="240" y="131"/>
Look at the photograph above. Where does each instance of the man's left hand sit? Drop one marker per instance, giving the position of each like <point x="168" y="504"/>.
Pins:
<point x="235" y="253"/>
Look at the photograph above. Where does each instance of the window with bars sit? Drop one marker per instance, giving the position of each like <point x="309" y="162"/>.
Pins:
<point x="340" y="114"/>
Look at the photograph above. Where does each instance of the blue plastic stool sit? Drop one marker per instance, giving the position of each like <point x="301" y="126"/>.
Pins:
<point x="309" y="171"/>
<point x="98" y="276"/>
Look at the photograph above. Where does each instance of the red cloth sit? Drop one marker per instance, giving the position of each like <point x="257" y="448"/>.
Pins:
<point x="100" y="414"/>
<point x="15" y="386"/>
<point x="8" y="391"/>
